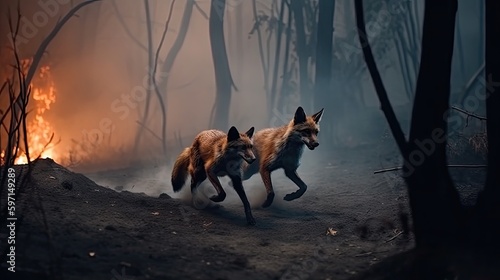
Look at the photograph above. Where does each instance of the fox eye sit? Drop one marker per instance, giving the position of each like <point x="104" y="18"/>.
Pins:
<point x="306" y="131"/>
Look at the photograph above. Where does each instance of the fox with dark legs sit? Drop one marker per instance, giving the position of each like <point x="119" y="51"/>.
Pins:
<point x="282" y="147"/>
<point x="214" y="154"/>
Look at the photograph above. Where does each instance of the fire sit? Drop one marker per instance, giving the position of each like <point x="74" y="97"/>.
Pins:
<point x="39" y="130"/>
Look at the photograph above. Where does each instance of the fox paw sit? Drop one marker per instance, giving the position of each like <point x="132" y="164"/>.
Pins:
<point x="269" y="200"/>
<point x="292" y="196"/>
<point x="251" y="221"/>
<point x="218" y="198"/>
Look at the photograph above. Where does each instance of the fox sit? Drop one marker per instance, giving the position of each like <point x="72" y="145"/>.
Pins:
<point x="282" y="147"/>
<point x="214" y="154"/>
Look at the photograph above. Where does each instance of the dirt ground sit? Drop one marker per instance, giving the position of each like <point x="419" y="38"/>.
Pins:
<point x="128" y="224"/>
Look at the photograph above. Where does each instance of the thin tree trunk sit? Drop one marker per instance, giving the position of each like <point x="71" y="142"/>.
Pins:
<point x="239" y="40"/>
<point x="405" y="67"/>
<point x="261" y="48"/>
<point x="324" y="56"/>
<point x="460" y="49"/>
<point x="149" y="91"/>
<point x="481" y="31"/>
<point x="176" y="46"/>
<point x="277" y="55"/>
<point x="286" y="76"/>
<point x="300" y="43"/>
<point x="223" y="80"/>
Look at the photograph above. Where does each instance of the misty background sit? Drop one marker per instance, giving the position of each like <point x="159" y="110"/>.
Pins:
<point x="99" y="67"/>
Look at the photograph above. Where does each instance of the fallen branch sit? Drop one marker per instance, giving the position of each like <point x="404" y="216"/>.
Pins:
<point x="394" y="237"/>
<point x="364" y="254"/>
<point x="450" y="165"/>
<point x="469" y="113"/>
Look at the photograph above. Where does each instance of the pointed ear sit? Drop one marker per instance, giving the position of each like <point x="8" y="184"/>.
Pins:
<point x="300" y="116"/>
<point x="233" y="134"/>
<point x="249" y="133"/>
<point x="317" y="117"/>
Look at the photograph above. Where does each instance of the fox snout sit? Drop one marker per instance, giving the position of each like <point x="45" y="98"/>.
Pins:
<point x="312" y="145"/>
<point x="248" y="157"/>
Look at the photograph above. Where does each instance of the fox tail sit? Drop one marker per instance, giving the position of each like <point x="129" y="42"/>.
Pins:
<point x="180" y="171"/>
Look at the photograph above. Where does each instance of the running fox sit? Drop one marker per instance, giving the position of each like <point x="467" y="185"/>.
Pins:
<point x="282" y="147"/>
<point x="214" y="154"/>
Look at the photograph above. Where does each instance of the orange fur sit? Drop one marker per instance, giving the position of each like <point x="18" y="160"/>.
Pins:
<point x="282" y="147"/>
<point x="215" y="154"/>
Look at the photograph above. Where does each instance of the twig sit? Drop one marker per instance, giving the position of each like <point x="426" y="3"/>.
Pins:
<point x="394" y="237"/>
<point x="450" y="165"/>
<point x="469" y="113"/>
<point x="200" y="10"/>
<point x="364" y="254"/>
<point x="45" y="43"/>
<point x="148" y="129"/>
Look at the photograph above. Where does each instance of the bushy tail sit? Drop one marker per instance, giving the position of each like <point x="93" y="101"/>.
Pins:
<point x="180" y="171"/>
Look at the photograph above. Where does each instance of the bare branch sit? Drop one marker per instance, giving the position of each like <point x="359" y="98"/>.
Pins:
<point x="468" y="113"/>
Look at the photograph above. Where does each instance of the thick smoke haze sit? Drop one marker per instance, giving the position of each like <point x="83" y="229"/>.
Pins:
<point x="99" y="66"/>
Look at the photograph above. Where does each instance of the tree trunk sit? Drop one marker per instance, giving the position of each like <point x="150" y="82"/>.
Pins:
<point x="149" y="91"/>
<point x="324" y="53"/>
<point x="297" y="7"/>
<point x="489" y="199"/>
<point x="239" y="41"/>
<point x="223" y="80"/>
<point x="434" y="201"/>
<point x="176" y="47"/>
<point x="284" y="91"/>
<point x="277" y="55"/>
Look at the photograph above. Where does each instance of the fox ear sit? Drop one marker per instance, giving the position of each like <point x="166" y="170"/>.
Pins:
<point x="249" y="133"/>
<point x="233" y="134"/>
<point x="300" y="116"/>
<point x="317" y="117"/>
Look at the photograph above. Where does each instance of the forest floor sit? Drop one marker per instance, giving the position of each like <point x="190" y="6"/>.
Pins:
<point x="128" y="224"/>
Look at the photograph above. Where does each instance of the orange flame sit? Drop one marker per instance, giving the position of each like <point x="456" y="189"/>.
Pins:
<point x="39" y="130"/>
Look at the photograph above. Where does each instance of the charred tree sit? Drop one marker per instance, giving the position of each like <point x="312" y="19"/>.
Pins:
<point x="434" y="201"/>
<point x="324" y="53"/>
<point x="297" y="7"/>
<point x="223" y="79"/>
<point x="489" y="199"/>
<point x="277" y="55"/>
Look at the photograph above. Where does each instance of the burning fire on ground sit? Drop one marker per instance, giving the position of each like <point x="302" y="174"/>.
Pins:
<point x="39" y="130"/>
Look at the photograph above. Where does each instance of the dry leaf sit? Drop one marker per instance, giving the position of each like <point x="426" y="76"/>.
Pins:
<point x="155" y="213"/>
<point x="331" y="231"/>
<point x="52" y="177"/>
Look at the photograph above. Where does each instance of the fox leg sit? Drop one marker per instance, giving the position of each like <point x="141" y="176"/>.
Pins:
<point x="221" y="194"/>
<point x="266" y="178"/>
<point x="238" y="187"/>
<point x="292" y="175"/>
<point x="197" y="177"/>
